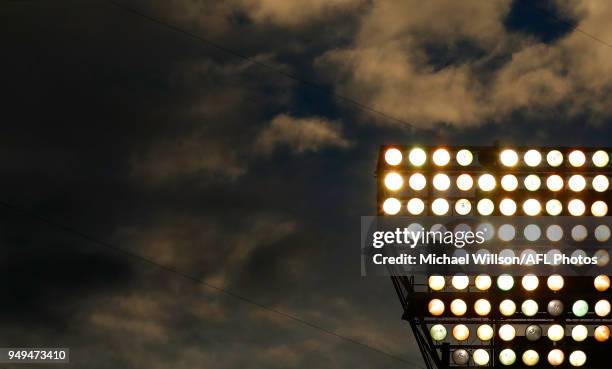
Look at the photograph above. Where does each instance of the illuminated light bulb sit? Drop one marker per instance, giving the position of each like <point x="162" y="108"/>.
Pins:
<point x="554" y="183"/>
<point x="507" y="307"/>
<point x="509" y="182"/>
<point x="532" y="207"/>
<point x="436" y="282"/>
<point x="482" y="282"/>
<point x="599" y="208"/>
<point x="508" y="158"/>
<point x="439" y="206"/>
<point x="529" y="307"/>
<point x="576" y="207"/>
<point x="576" y="183"/>
<point x="555" y="332"/>
<point x="602" y="308"/>
<point x="602" y="283"/>
<point x="486" y="182"/>
<point x="460" y="282"/>
<point x="579" y="233"/>
<point x="437" y="332"/>
<point x="554" y="158"/>
<point x="602" y="333"/>
<point x="507" y="332"/>
<point x="556" y="357"/>
<point x="481" y="357"/>
<point x="464" y="157"/>
<point x="555" y="307"/>
<point x="441" y="182"/>
<point x="485" y="332"/>
<point x="580" y="308"/>
<point x="602" y="233"/>
<point x="554" y="232"/>
<point x="415" y="206"/>
<point x="530" y="357"/>
<point x="507" y="207"/>
<point x="507" y="357"/>
<point x="485" y="207"/>
<point x="532" y="182"/>
<point x="554" y="207"/>
<point x="465" y="182"/>
<point x="603" y="257"/>
<point x="532" y="232"/>
<point x="506" y="232"/>
<point x="461" y="357"/>
<point x="458" y="307"/>
<point x="417" y="157"/>
<point x="505" y="282"/>
<point x="576" y="158"/>
<point x="482" y="307"/>
<point x="393" y="181"/>
<point x="530" y="282"/>
<point x="463" y="206"/>
<point x="392" y="206"/>
<point x="532" y="158"/>
<point x="461" y="332"/>
<point x="441" y="157"/>
<point x="393" y="156"/>
<point x="533" y="332"/>
<point x="580" y="333"/>
<point x="555" y="282"/>
<point x="600" y="183"/>
<point x="577" y="358"/>
<point x="417" y="181"/>
<point x="600" y="158"/>
<point x="436" y="307"/>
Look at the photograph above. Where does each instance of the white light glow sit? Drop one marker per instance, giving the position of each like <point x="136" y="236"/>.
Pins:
<point x="532" y="158"/>
<point x="602" y="308"/>
<point x="555" y="332"/>
<point x="602" y="333"/>
<point x="530" y="357"/>
<point x="600" y="183"/>
<point x="600" y="158"/>
<point x="576" y="207"/>
<point x="554" y="207"/>
<point x="555" y="282"/>
<point x="602" y="233"/>
<point x="394" y="181"/>
<point x="441" y="182"/>
<point x="393" y="156"/>
<point x="576" y="158"/>
<point x="435" y="307"/>
<point x="485" y="207"/>
<point x="439" y="206"/>
<point x="508" y="158"/>
<point x="576" y="183"/>
<point x="465" y="182"/>
<point x="463" y="206"/>
<point x="529" y="307"/>
<point x="461" y="332"/>
<point x="580" y="333"/>
<point x="554" y="158"/>
<point x="441" y="157"/>
<point x="507" y="332"/>
<point x="437" y="332"/>
<point x="481" y="357"/>
<point x="532" y="182"/>
<point x="505" y="282"/>
<point x="460" y="282"/>
<point x="530" y="282"/>
<point x="417" y="157"/>
<point x="509" y="182"/>
<point x="599" y="208"/>
<point x="464" y="157"/>
<point x="577" y="358"/>
<point x="458" y="307"/>
<point x="392" y="206"/>
<point x="415" y="206"/>
<point x="482" y="307"/>
<point x="554" y="183"/>
<point x="507" y="207"/>
<point x="507" y="356"/>
<point x="486" y="182"/>
<point x="482" y="282"/>
<point x="601" y="283"/>
<point x="417" y="181"/>
<point x="436" y="282"/>
<point x="507" y="307"/>
<point x="556" y="357"/>
<point x="485" y="332"/>
<point x="532" y="207"/>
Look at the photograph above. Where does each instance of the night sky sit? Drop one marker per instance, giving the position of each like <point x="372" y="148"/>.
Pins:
<point x="251" y="174"/>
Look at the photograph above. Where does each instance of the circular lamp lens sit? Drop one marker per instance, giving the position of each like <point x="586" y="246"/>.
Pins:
<point x="580" y="333"/>
<point x="415" y="206"/>
<point x="417" y="157"/>
<point x="507" y="357"/>
<point x="505" y="282"/>
<point x="532" y="207"/>
<point x="556" y="357"/>
<point x="529" y="307"/>
<point x="602" y="333"/>
<point x="509" y="182"/>
<point x="530" y="282"/>
<point x="463" y="206"/>
<point x="554" y="232"/>
<point x="417" y="181"/>
<point x="482" y="282"/>
<point x="576" y="207"/>
<point x="555" y="332"/>
<point x="482" y="307"/>
<point x="555" y="282"/>
<point x="436" y="282"/>
<point x="580" y="308"/>
<point x="458" y="307"/>
<point x="576" y="158"/>
<point x="484" y="332"/>
<point x="602" y="283"/>
<point x="554" y="207"/>
<point x="436" y="307"/>
<point x="460" y="282"/>
<point x="486" y="182"/>
<point x="461" y="332"/>
<point x="392" y="206"/>
<point x="602" y="308"/>
<point x="393" y="156"/>
<point x="481" y="357"/>
<point x="461" y="357"/>
<point x="600" y="158"/>
<point x="439" y="206"/>
<point x="530" y="357"/>
<point x="579" y="233"/>
<point x="465" y="182"/>
<point x="441" y="182"/>
<point x="532" y="158"/>
<point x="507" y="332"/>
<point x="532" y="232"/>
<point x="441" y="157"/>
<point x="532" y="182"/>
<point x="507" y="207"/>
<point x="554" y="183"/>
<point x="533" y="332"/>
<point x="393" y="181"/>
<point x="508" y="158"/>
<point x="555" y="307"/>
<point x="577" y="358"/>
<point x="507" y="307"/>
<point x="600" y="183"/>
<point x="599" y="208"/>
<point x="602" y="233"/>
<point x="438" y="332"/>
<point x="554" y="158"/>
<point x="464" y="157"/>
<point x="576" y="183"/>
<point x="485" y="207"/>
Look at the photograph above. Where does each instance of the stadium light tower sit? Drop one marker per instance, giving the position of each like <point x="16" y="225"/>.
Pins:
<point x="529" y="200"/>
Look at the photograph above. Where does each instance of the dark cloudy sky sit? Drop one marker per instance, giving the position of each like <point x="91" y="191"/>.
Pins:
<point x="147" y="138"/>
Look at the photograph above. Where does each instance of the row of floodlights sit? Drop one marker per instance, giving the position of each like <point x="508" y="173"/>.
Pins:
<point x="485" y="206"/>
<point x="487" y="182"/>
<point x="505" y="282"/>
<point x="509" y="158"/>
<point x="530" y="357"/>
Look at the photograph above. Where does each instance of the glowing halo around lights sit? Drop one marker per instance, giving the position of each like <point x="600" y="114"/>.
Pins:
<point x="464" y="157"/>
<point x="577" y="358"/>
<point x="600" y="183"/>
<point x="532" y="182"/>
<point x="602" y="333"/>
<point x="599" y="208"/>
<point x="482" y="282"/>
<point x="417" y="181"/>
<point x="480" y="357"/>
<point x="441" y="182"/>
<point x="436" y="282"/>
<point x="556" y="357"/>
<point x="580" y="333"/>
<point x="394" y="181"/>
<point x="555" y="282"/>
<point x="530" y="357"/>
<point x="576" y="207"/>
<point x="601" y="283"/>
<point x="507" y="207"/>
<point x="508" y="158"/>
<point x="507" y="307"/>
<point x="393" y="156"/>
<point x="482" y="307"/>
<point x="507" y="357"/>
<point x="554" y="207"/>
<point x="485" y="207"/>
<point x="461" y="332"/>
<point x="417" y="157"/>
<point x="554" y="183"/>
<point x="576" y="158"/>
<point x="507" y="332"/>
<point x="530" y="282"/>
<point x="532" y="207"/>
<point x="486" y="182"/>
<point x="415" y="206"/>
<point x="458" y="307"/>
<point x="529" y="307"/>
<point x="463" y="206"/>
<point x="465" y="182"/>
<point x="509" y="182"/>
<point x="532" y="158"/>
<point x="555" y="332"/>
<point x="438" y="332"/>
<point x="485" y="332"/>
<point x="576" y="183"/>
<point x="460" y="282"/>
<point x="439" y="206"/>
<point x="441" y="157"/>
<point x="505" y="282"/>
<point x="392" y="206"/>
<point x="554" y="158"/>
<point x="435" y="307"/>
<point x="600" y="158"/>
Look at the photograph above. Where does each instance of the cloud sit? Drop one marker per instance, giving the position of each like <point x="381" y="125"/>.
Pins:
<point x="300" y="135"/>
